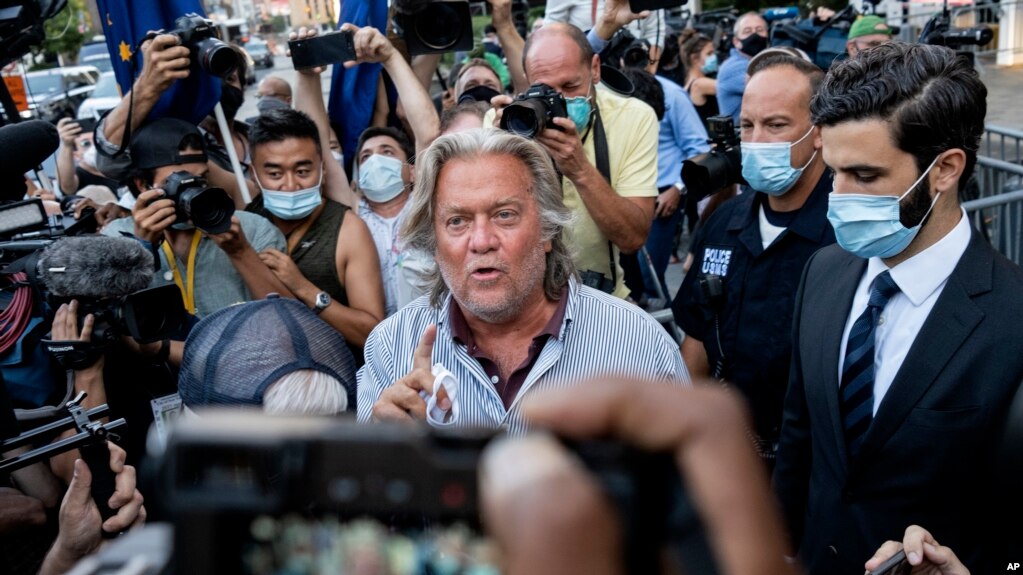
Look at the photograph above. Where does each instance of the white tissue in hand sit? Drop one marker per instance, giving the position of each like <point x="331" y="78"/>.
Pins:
<point x="442" y="379"/>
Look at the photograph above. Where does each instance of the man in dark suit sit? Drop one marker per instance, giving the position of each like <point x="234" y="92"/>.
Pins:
<point x="906" y="347"/>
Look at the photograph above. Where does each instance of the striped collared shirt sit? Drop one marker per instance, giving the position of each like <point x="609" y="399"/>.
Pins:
<point x="600" y="335"/>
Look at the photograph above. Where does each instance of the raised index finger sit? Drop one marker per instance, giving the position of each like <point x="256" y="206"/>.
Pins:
<point x="423" y="356"/>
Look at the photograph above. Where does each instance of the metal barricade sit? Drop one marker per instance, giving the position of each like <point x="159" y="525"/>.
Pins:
<point x="998" y="211"/>
<point x="1002" y="144"/>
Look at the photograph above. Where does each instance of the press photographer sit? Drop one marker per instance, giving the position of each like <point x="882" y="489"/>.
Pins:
<point x="735" y="303"/>
<point x="604" y="145"/>
<point x="210" y="254"/>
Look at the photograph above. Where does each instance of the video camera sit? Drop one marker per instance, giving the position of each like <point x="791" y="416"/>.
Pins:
<point x="938" y="31"/>
<point x="720" y="167"/>
<point x="210" y="209"/>
<point x="534" y="110"/>
<point x="202" y="39"/>
<point x="434" y="26"/>
<point x="823" y="41"/>
<point x="718" y="25"/>
<point x="244" y="489"/>
<point x="27" y="221"/>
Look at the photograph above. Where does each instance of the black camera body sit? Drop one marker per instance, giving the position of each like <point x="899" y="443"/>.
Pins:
<point x="624" y="50"/>
<point x="707" y="173"/>
<point x="534" y="110"/>
<point x="434" y="26"/>
<point x="147" y="315"/>
<point x="210" y="209"/>
<point x="202" y="39"/>
<point x="224" y="471"/>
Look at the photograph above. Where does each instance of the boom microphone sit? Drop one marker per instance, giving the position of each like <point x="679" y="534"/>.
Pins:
<point x="95" y="267"/>
<point x="25" y="145"/>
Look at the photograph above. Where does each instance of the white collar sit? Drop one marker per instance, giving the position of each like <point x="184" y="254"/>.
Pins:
<point x="919" y="276"/>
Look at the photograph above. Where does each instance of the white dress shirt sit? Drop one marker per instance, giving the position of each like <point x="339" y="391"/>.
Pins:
<point x="920" y="279"/>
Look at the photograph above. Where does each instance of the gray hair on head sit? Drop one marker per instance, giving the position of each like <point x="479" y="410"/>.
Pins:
<point x="418" y="231"/>
<point x="306" y="392"/>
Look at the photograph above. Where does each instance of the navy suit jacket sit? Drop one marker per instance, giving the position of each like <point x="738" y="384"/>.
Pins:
<point x="929" y="456"/>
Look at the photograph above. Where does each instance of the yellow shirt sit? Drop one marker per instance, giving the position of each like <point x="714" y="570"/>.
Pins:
<point x="631" y="129"/>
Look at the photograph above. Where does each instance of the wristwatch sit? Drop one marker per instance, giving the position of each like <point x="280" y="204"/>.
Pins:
<point x="321" y="302"/>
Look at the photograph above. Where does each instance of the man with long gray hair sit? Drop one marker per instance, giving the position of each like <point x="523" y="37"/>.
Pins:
<point x="506" y="315"/>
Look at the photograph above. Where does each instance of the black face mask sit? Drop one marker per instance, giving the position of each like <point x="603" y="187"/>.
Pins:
<point x="753" y="44"/>
<point x="478" y="94"/>
<point x="231" y="99"/>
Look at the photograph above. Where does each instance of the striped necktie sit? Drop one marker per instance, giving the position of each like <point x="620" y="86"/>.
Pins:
<point x="856" y="397"/>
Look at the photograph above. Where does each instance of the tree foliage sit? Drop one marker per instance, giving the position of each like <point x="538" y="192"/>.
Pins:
<point x="64" y="32"/>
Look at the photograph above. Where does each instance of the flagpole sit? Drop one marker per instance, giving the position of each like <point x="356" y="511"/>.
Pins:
<point x="225" y="136"/>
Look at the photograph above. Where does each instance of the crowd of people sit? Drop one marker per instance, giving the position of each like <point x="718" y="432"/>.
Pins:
<point x="848" y="364"/>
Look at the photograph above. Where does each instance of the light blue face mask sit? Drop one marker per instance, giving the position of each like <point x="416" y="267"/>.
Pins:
<point x="710" y="64"/>
<point x="767" y="166"/>
<point x="869" y="226"/>
<point x="292" y="205"/>
<point x="580" y="110"/>
<point x="380" y="178"/>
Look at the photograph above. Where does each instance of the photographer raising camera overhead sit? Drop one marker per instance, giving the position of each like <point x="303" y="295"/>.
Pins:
<point x="604" y="145"/>
<point x="735" y="303"/>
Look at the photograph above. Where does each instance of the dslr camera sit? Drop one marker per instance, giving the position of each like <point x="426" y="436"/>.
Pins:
<point x="534" y="110"/>
<point x="210" y="209"/>
<point x="626" y="51"/>
<point x="720" y="167"/>
<point x="434" y="26"/>
<point x="146" y="315"/>
<point x="202" y="39"/>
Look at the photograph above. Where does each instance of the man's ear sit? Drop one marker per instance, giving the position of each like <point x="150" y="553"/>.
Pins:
<point x="947" y="171"/>
<point x="595" y="69"/>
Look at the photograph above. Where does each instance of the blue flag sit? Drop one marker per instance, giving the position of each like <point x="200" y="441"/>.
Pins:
<point x="126" y="23"/>
<point x="353" y="90"/>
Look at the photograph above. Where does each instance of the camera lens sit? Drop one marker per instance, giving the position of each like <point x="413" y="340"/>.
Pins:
<point x="210" y="209"/>
<point x="216" y="57"/>
<point x="636" y="56"/>
<point x="433" y="26"/>
<point x="525" y="118"/>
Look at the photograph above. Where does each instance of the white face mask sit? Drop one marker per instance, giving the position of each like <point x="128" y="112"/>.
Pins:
<point x="380" y="178"/>
<point x="89" y="156"/>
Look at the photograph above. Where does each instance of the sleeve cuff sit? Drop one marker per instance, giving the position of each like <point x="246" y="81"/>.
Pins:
<point x="596" y="42"/>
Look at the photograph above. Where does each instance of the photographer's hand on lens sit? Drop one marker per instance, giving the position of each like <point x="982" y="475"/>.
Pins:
<point x="68" y="130"/>
<point x="566" y="148"/>
<point x="65" y="328"/>
<point x="301" y="34"/>
<point x="370" y="45"/>
<point x="153" y="215"/>
<point x="924" y="553"/>
<point x="164" y="61"/>
<point x="80" y="521"/>
<point x="402" y="401"/>
<point x="499" y="103"/>
<point x="667" y="202"/>
<point x="19" y="511"/>
<point x="104" y="214"/>
<point x="233" y="241"/>
<point x="703" y="427"/>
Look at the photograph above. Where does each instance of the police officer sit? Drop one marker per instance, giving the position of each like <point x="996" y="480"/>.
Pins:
<point x="735" y="304"/>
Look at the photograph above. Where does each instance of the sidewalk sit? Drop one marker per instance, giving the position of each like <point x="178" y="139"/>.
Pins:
<point x="1003" y="95"/>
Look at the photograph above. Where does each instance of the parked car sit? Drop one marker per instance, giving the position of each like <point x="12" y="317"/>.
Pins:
<point x="59" y="91"/>
<point x="101" y="61"/>
<point x="104" y="97"/>
<point x="260" y="53"/>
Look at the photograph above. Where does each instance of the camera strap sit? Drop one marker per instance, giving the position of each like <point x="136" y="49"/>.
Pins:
<point x="187" y="293"/>
<point x="604" y="167"/>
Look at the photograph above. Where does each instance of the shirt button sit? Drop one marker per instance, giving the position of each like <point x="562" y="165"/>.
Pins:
<point x="493" y="379"/>
<point x="169" y="276"/>
<point x="880" y="320"/>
